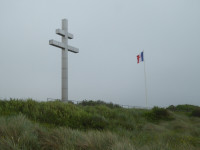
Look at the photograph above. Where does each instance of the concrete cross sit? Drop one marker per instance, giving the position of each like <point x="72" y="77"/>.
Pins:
<point x="65" y="48"/>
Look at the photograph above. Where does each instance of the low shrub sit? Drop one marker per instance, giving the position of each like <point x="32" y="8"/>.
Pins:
<point x="196" y="112"/>
<point x="94" y="121"/>
<point x="171" y="108"/>
<point x="99" y="102"/>
<point x="157" y="114"/>
<point x="182" y="108"/>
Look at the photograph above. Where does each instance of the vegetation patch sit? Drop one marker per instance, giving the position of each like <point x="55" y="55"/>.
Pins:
<point x="27" y="124"/>
<point x="157" y="114"/>
<point x="182" y="108"/>
<point x="97" y="103"/>
<point x="196" y="112"/>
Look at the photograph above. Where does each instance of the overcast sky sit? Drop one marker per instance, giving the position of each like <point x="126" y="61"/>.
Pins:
<point x="109" y="34"/>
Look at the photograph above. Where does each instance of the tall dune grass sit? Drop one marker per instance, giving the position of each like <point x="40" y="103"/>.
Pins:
<point x="19" y="133"/>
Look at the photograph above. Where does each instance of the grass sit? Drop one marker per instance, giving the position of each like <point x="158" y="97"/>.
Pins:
<point x="96" y="126"/>
<point x="17" y="132"/>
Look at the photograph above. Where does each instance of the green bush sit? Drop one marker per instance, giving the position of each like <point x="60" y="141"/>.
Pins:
<point x="171" y="108"/>
<point x="196" y="112"/>
<point x="157" y="114"/>
<point x="182" y="108"/>
<point x="55" y="113"/>
<point x="96" y="103"/>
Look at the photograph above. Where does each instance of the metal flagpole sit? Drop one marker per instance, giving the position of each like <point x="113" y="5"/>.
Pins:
<point x="145" y="80"/>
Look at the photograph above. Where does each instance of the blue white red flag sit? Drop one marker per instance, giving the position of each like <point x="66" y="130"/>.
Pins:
<point x="140" y="57"/>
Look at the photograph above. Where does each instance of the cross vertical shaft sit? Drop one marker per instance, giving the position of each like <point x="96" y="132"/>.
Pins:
<point x="65" y="61"/>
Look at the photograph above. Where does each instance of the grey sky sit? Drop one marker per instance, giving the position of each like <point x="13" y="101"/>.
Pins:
<point x="109" y="34"/>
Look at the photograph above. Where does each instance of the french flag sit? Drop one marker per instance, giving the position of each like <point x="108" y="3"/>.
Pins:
<point x="140" y="57"/>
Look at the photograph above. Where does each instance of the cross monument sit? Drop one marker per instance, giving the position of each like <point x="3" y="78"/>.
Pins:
<point x="65" y="48"/>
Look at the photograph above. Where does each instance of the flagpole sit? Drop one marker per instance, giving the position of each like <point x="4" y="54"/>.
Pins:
<point x="145" y="80"/>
